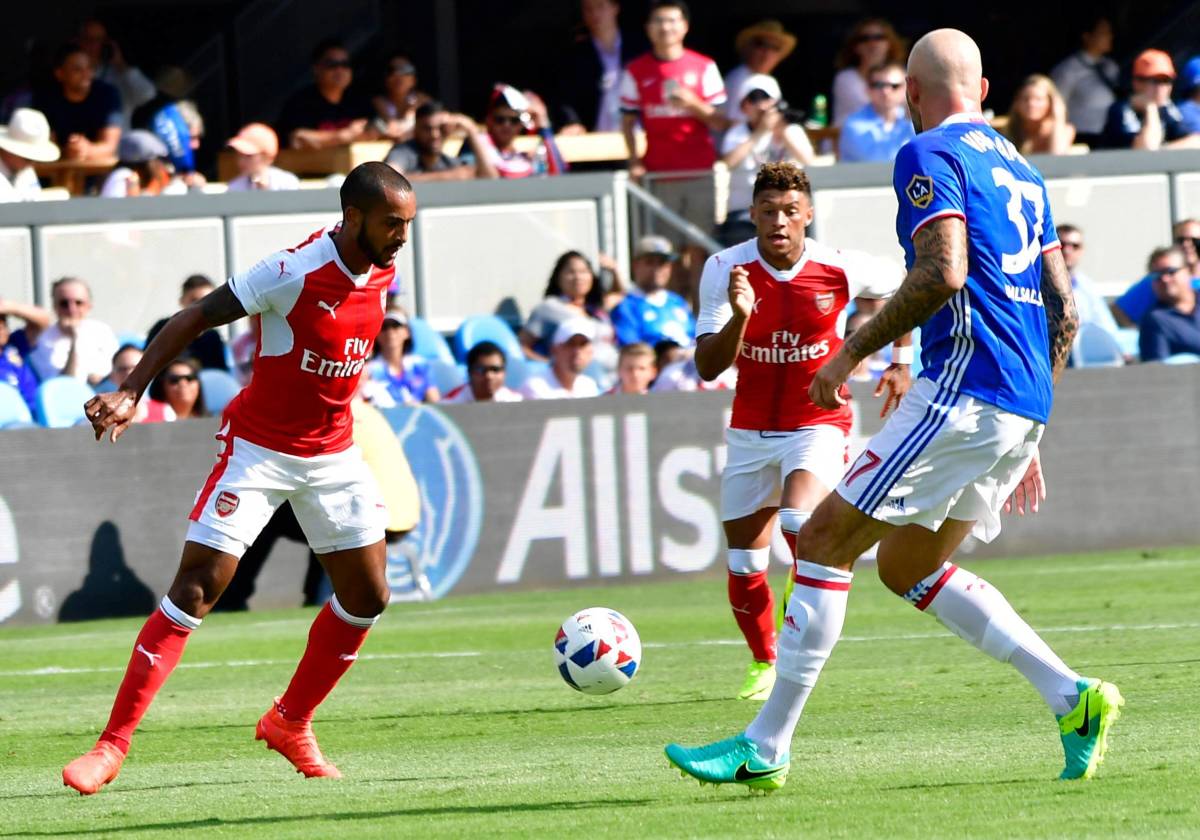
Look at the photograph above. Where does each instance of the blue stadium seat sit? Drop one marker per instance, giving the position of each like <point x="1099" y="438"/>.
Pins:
<point x="529" y="368"/>
<point x="479" y="328"/>
<point x="516" y="371"/>
<point x="13" y="410"/>
<point x="138" y="340"/>
<point x="428" y="343"/>
<point x="447" y="375"/>
<point x="604" y="377"/>
<point x="1095" y="347"/>
<point x="1181" y="359"/>
<point x="219" y="388"/>
<point x="60" y="401"/>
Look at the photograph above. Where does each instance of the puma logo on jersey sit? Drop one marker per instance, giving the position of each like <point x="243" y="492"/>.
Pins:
<point x="153" y="657"/>
<point x="330" y="309"/>
<point x="282" y="269"/>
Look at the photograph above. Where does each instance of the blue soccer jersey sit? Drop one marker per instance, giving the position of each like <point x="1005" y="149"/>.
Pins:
<point x="991" y="340"/>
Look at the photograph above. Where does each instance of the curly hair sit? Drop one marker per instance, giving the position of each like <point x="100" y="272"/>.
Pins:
<point x="782" y="176"/>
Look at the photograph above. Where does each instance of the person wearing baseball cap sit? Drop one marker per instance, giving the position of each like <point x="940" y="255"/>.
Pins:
<point x="256" y="146"/>
<point x="570" y="354"/>
<point x="762" y="46"/>
<point x="1148" y="119"/>
<point x="142" y="168"/>
<point x="23" y="141"/>
<point x="650" y="312"/>
<point x="1189" y="84"/>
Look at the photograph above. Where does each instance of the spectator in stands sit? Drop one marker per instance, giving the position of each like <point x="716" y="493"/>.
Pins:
<point x="13" y="369"/>
<point x="681" y="375"/>
<point x="175" y="121"/>
<point x="636" y="370"/>
<point x="142" y="168"/>
<point x="84" y="113"/>
<point x="486" y="366"/>
<point x="510" y="113"/>
<point x="1133" y="304"/>
<point x="1148" y="119"/>
<point x="396" y="376"/>
<point x="763" y="136"/>
<point x="326" y="113"/>
<point x="1037" y="120"/>
<point x="1090" y="304"/>
<point x="571" y="292"/>
<point x="108" y="59"/>
<point x="35" y="320"/>
<point x="74" y="345"/>
<point x="678" y="95"/>
<point x="396" y="104"/>
<point x="876" y="131"/>
<point x="149" y="410"/>
<point x="23" y="141"/>
<point x="570" y="355"/>
<point x="1088" y="80"/>
<point x="762" y="46"/>
<point x="180" y="389"/>
<point x="588" y="95"/>
<point x="650" y="312"/>
<point x="208" y="350"/>
<point x="870" y="43"/>
<point x="1173" y="326"/>
<point x="256" y="146"/>
<point x="422" y="158"/>
<point x="1189" y="83"/>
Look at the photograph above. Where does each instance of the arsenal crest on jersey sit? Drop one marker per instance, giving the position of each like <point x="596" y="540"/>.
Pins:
<point x="226" y="503"/>
<point x="824" y="301"/>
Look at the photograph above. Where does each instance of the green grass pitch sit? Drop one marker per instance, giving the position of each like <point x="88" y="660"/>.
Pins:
<point x="456" y="724"/>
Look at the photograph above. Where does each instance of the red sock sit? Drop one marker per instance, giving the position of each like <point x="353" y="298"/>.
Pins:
<point x="333" y="645"/>
<point x="155" y="654"/>
<point x="754" y="609"/>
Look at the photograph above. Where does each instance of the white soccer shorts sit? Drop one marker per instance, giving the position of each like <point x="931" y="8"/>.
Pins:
<point x="335" y="498"/>
<point x="942" y="456"/>
<point x="757" y="463"/>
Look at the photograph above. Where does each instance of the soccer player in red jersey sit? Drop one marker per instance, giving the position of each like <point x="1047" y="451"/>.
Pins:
<point x="776" y="305"/>
<point x="286" y="437"/>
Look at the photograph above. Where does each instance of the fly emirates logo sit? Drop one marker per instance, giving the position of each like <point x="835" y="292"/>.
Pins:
<point x="357" y="351"/>
<point x="785" y="348"/>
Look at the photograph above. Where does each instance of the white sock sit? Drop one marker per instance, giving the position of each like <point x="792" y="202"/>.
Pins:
<point x="815" y="614"/>
<point x="974" y="610"/>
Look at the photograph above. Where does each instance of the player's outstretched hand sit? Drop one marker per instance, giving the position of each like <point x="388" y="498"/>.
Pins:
<point x="741" y="293"/>
<point x="1031" y="492"/>
<point x="112" y="413"/>
<point x="896" y="380"/>
<point x="828" y="386"/>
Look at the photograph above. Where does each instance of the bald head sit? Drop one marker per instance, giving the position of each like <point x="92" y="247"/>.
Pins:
<point x="945" y="74"/>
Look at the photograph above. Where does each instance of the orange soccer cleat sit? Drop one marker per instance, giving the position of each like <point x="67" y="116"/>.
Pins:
<point x="94" y="769"/>
<point x="294" y="740"/>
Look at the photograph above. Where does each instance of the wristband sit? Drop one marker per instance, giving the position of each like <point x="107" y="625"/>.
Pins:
<point x="902" y="355"/>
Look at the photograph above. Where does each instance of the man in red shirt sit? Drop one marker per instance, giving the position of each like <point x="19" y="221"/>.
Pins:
<point x="677" y="94"/>
<point x="776" y="305"/>
<point x="286" y="437"/>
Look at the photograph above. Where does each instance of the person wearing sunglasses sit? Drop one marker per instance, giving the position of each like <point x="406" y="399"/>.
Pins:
<point x="877" y="130"/>
<point x="1173" y="325"/>
<point x="1135" y="302"/>
<point x="326" y="113"/>
<point x="178" y="388"/>
<point x="398" y="99"/>
<point x="486" y="368"/>
<point x="1089" y="303"/>
<point x="510" y="114"/>
<point x="75" y="344"/>
<point x="870" y="43"/>
<point x="1148" y="119"/>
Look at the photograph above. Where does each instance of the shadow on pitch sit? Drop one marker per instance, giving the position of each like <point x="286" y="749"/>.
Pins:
<point x="989" y="782"/>
<point x="116" y="791"/>
<point x="448" y="810"/>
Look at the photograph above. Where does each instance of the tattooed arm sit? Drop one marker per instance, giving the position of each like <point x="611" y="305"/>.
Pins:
<point x="1061" y="316"/>
<point x="939" y="270"/>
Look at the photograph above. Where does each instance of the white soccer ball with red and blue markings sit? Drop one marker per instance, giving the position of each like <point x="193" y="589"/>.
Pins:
<point x="597" y="651"/>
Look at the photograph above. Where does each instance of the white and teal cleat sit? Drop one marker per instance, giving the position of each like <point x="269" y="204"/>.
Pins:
<point x="733" y="761"/>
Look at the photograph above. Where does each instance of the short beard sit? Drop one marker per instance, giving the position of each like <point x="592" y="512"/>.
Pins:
<point x="371" y="254"/>
<point x="916" y="117"/>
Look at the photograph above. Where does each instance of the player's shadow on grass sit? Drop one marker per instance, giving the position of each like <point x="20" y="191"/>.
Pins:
<point x="110" y="589"/>
<point x="445" y="810"/>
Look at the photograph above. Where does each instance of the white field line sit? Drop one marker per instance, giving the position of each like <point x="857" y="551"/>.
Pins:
<point x="53" y="670"/>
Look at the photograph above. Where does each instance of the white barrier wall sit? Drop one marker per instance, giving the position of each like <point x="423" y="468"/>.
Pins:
<point x="16" y="255"/>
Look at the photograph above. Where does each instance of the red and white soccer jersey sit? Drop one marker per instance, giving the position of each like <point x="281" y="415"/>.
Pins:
<point x="675" y="140"/>
<point x="797" y="325"/>
<point x="288" y="435"/>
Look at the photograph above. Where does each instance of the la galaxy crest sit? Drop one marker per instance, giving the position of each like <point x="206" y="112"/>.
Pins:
<point x="920" y="191"/>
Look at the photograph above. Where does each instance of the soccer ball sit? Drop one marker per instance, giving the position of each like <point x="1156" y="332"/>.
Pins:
<point x="597" y="651"/>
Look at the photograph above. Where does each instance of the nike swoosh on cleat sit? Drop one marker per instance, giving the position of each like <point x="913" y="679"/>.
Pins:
<point x="745" y="774"/>
<point x="1082" y="731"/>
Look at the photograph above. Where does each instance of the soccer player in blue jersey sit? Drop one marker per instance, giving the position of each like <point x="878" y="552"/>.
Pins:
<point x="988" y="287"/>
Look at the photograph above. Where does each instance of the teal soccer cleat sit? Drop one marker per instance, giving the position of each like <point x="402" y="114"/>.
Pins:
<point x="1084" y="730"/>
<point x="732" y="761"/>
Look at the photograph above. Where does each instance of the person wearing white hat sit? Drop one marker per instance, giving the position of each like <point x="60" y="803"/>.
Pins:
<point x="23" y="141"/>
<point x="764" y="136"/>
<point x="570" y="354"/>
